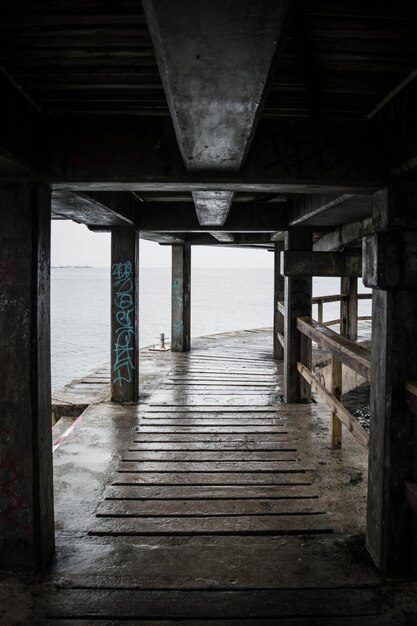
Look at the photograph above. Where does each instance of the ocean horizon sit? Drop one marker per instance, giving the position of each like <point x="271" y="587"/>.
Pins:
<point x="222" y="300"/>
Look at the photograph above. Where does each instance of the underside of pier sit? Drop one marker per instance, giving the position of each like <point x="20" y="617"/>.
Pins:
<point x="279" y="125"/>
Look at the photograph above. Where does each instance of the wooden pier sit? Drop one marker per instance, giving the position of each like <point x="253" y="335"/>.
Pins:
<point x="211" y="502"/>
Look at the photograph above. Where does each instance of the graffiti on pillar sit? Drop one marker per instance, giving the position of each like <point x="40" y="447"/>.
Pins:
<point x="124" y="346"/>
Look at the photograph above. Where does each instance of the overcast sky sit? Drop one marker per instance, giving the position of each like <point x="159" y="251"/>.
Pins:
<point x="74" y="244"/>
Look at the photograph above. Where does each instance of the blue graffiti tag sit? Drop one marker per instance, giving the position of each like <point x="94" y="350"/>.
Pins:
<point x="124" y="347"/>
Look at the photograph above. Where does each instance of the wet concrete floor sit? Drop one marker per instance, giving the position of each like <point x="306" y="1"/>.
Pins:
<point x="209" y="502"/>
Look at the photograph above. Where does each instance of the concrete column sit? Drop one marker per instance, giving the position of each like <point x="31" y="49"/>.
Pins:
<point x="298" y="292"/>
<point x="349" y="308"/>
<point x="390" y="259"/>
<point x="181" y="299"/>
<point x="125" y="315"/>
<point x="26" y="490"/>
<point x="278" y="297"/>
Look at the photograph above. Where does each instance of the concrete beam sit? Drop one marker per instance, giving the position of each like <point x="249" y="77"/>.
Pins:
<point x="100" y="209"/>
<point x="343" y="236"/>
<point x="329" y="210"/>
<point x="285" y="157"/>
<point x="304" y="263"/>
<point x="222" y="237"/>
<point x="122" y="209"/>
<point x="212" y="207"/>
<point x="214" y="59"/>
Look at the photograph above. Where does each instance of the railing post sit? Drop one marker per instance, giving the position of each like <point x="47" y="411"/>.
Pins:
<point x="278" y="298"/>
<point x="298" y="291"/>
<point x="320" y="311"/>
<point x="349" y="308"/>
<point x="336" y="390"/>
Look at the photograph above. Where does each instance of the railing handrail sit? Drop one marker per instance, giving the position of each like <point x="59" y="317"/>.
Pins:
<point x="343" y="351"/>
<point x="348" y="352"/>
<point x="339" y="296"/>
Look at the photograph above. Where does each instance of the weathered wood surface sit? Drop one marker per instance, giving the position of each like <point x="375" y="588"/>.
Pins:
<point x="355" y="356"/>
<point x="349" y="308"/>
<point x="339" y="411"/>
<point x="264" y="522"/>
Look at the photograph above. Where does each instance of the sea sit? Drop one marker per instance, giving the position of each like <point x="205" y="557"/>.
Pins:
<point x="223" y="300"/>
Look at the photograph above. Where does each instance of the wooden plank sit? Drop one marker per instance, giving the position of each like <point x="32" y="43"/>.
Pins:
<point x="208" y="466"/>
<point x="343" y="414"/>
<point x="155" y="408"/>
<point x="203" y="446"/>
<point x="173" y="438"/>
<point x="354" y="356"/>
<point x="298" y="476"/>
<point x="237" y="430"/>
<point x="258" y="525"/>
<point x="211" y="508"/>
<point x="207" y="422"/>
<point x="208" y="456"/>
<point x="214" y="604"/>
<point x="218" y="492"/>
<point x="201" y="398"/>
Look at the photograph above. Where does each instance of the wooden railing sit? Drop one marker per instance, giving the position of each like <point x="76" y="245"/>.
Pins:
<point x="342" y="351"/>
<point x="320" y="301"/>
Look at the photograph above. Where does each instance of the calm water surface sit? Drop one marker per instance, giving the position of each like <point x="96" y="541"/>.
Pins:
<point x="222" y="300"/>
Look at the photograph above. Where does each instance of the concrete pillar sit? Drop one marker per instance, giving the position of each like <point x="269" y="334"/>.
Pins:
<point x="181" y="299"/>
<point x="390" y="259"/>
<point x="125" y="315"/>
<point x="26" y="489"/>
<point x="298" y="292"/>
<point x="278" y="297"/>
<point x="349" y="308"/>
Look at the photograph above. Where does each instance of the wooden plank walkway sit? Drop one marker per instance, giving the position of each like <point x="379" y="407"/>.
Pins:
<point x="210" y="503"/>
